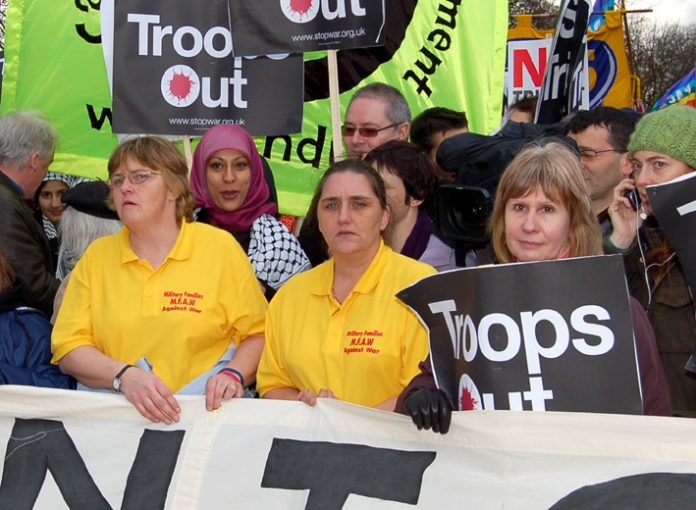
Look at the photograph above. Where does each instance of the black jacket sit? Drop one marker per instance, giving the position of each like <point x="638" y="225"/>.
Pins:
<point x="24" y="244"/>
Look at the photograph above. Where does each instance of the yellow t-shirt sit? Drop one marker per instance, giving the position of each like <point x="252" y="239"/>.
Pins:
<point x="365" y="350"/>
<point x="181" y="316"/>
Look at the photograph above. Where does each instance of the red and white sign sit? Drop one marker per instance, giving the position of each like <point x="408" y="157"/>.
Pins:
<point x="527" y="60"/>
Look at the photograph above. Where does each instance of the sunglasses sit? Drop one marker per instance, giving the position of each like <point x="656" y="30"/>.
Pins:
<point x="365" y="132"/>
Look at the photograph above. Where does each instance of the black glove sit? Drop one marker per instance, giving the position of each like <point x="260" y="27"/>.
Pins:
<point x="429" y="408"/>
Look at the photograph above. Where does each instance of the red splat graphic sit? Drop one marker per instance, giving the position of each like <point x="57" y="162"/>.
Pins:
<point x="180" y="85"/>
<point x="300" y="6"/>
<point x="469" y="403"/>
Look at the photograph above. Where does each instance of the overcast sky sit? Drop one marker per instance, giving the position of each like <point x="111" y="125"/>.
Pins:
<point x="683" y="11"/>
<point x="665" y="11"/>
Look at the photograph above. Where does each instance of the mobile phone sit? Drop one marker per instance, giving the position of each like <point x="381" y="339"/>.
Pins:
<point x="634" y="198"/>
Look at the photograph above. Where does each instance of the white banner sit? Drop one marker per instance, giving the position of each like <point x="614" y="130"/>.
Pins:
<point x="269" y="454"/>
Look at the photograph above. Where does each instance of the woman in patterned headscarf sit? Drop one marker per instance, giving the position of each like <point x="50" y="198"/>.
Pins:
<point x="232" y="193"/>
<point x="49" y="206"/>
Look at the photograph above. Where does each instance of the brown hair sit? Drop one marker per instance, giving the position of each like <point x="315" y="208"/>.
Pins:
<point x="159" y="154"/>
<point x="555" y="169"/>
<point x="433" y="121"/>
<point x="311" y="239"/>
<point x="7" y="274"/>
<point x="408" y="163"/>
<point x="356" y="166"/>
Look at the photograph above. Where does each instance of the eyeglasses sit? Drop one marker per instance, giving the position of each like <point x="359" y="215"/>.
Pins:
<point x="593" y="154"/>
<point x="367" y="132"/>
<point x="136" y="178"/>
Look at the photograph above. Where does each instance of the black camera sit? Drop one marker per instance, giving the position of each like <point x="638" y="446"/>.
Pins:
<point x="461" y="217"/>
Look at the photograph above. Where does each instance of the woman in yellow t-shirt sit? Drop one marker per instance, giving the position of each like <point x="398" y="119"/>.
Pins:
<point x="338" y="330"/>
<point x="166" y="302"/>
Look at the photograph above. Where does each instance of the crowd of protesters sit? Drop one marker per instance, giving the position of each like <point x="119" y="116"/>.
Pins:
<point x="185" y="282"/>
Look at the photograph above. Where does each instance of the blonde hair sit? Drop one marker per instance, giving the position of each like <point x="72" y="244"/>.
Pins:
<point x="159" y="154"/>
<point x="555" y="169"/>
<point x="77" y="231"/>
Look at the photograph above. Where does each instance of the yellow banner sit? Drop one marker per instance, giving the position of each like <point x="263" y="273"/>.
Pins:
<point x="610" y="78"/>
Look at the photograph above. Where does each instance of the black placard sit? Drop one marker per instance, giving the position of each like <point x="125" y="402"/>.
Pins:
<point x="561" y="90"/>
<point x="174" y="73"/>
<point x="295" y="26"/>
<point x="554" y="336"/>
<point x="674" y="207"/>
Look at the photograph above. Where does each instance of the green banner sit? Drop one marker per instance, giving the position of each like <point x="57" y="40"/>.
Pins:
<point x="452" y="54"/>
<point x="54" y="63"/>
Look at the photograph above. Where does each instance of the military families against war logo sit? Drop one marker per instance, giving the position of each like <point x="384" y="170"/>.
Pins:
<point x="182" y="301"/>
<point x="363" y="341"/>
<point x="532" y="336"/>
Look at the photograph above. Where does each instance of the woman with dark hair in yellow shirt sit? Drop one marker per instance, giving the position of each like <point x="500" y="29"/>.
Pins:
<point x="338" y="330"/>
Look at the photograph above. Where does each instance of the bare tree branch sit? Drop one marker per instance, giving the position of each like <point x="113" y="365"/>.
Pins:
<point x="534" y="7"/>
<point x="663" y="54"/>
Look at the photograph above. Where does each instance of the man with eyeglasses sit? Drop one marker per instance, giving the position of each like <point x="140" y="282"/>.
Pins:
<point x="27" y="145"/>
<point x="602" y="136"/>
<point x="376" y="114"/>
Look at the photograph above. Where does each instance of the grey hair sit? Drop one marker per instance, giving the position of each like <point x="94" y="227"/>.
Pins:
<point x="77" y="231"/>
<point x="23" y="133"/>
<point x="398" y="111"/>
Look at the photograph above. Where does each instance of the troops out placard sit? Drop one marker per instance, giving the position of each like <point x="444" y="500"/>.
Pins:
<point x="542" y="336"/>
<point x="174" y="73"/>
<point x="295" y="26"/>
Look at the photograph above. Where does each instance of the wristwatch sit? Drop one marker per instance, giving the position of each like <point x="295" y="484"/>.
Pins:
<point x="116" y="383"/>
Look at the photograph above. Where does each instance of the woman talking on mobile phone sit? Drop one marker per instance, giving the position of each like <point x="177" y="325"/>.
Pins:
<point x="662" y="148"/>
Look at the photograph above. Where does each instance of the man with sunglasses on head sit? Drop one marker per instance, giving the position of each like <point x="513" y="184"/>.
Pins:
<point x="376" y="114"/>
<point x="602" y="136"/>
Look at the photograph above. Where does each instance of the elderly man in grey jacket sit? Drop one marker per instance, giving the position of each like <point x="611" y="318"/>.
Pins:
<point x="27" y="145"/>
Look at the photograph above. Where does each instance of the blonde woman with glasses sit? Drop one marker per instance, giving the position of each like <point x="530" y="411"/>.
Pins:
<point x="166" y="305"/>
